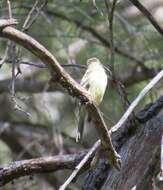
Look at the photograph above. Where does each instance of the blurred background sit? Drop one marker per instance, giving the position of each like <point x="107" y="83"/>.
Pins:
<point x="40" y="119"/>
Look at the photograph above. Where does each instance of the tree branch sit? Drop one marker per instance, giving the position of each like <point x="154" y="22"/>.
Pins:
<point x="38" y="165"/>
<point x="145" y="134"/>
<point x="7" y="22"/>
<point x="73" y="88"/>
<point x="41" y="165"/>
<point x="137" y="153"/>
<point x="80" y="165"/>
<point x="12" y="133"/>
<point x="148" y="15"/>
<point x="145" y="90"/>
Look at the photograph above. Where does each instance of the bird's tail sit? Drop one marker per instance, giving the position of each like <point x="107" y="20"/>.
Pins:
<point x="80" y="123"/>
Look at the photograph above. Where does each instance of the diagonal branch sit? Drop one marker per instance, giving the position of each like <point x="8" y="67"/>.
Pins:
<point x="148" y="15"/>
<point x="145" y="90"/>
<point x="80" y="165"/>
<point x="73" y="88"/>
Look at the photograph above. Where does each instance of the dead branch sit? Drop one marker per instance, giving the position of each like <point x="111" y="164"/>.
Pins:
<point x="63" y="78"/>
<point x="38" y="165"/>
<point x="97" y="177"/>
<point x="139" y="151"/>
<point x="11" y="134"/>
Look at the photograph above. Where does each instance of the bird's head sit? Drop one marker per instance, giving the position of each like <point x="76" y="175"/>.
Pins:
<point x="93" y="62"/>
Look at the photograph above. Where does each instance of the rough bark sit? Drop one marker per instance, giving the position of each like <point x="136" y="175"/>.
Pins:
<point x="138" y="144"/>
<point x="38" y="165"/>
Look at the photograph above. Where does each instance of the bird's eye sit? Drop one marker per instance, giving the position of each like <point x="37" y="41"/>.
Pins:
<point x="87" y="86"/>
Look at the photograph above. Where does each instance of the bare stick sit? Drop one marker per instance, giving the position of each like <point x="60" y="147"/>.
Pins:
<point x="29" y="16"/>
<point x="110" y="19"/>
<point x="136" y="101"/>
<point x="9" y="9"/>
<point x="12" y="49"/>
<point x="80" y="165"/>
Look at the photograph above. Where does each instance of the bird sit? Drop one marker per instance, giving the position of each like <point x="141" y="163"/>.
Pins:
<point x="95" y="82"/>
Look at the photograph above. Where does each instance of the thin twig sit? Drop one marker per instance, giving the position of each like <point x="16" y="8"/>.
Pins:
<point x="16" y="106"/>
<point x="147" y="88"/>
<point x="9" y="9"/>
<point x="12" y="49"/>
<point x="110" y="19"/>
<point x="80" y="165"/>
<point x="122" y="93"/>
<point x="112" y="49"/>
<point x="24" y="27"/>
<point x="80" y="66"/>
<point x="13" y="58"/>
<point x="119" y="86"/>
<point x="30" y="20"/>
<point x="14" y="53"/>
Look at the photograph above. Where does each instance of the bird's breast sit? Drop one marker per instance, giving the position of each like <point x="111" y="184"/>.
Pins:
<point x="97" y="85"/>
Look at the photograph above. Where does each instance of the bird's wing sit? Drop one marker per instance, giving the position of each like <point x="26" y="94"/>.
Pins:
<point x="80" y="127"/>
<point x="85" y="80"/>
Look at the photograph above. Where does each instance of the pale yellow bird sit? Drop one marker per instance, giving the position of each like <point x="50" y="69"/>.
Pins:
<point x="95" y="81"/>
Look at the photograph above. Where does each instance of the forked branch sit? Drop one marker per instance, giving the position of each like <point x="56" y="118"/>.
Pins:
<point x="73" y="88"/>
